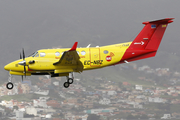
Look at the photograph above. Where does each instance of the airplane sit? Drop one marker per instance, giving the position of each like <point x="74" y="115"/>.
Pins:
<point x="65" y="61"/>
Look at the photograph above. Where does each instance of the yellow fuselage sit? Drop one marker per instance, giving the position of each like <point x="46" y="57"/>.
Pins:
<point x="91" y="58"/>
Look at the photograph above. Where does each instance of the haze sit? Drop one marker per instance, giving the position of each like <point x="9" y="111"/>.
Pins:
<point x="34" y="25"/>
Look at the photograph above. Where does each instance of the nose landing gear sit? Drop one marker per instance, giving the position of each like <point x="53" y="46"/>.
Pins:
<point x="70" y="80"/>
<point x="9" y="85"/>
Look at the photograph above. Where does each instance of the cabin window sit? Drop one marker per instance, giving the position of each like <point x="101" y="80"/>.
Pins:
<point x="42" y="54"/>
<point x="83" y="52"/>
<point x="57" y="54"/>
<point x="78" y="52"/>
<point x="106" y="52"/>
<point x="62" y="53"/>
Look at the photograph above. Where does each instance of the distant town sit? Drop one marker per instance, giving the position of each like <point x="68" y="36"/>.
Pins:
<point x="102" y="100"/>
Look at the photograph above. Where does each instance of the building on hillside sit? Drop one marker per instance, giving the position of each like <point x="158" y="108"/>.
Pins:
<point x="105" y="101"/>
<point x="111" y="92"/>
<point x="139" y="106"/>
<point x="88" y="104"/>
<point x="25" y="88"/>
<point x="42" y="92"/>
<point x="2" y="111"/>
<point x="156" y="100"/>
<point x="166" y="116"/>
<point x="41" y="102"/>
<point x="53" y="104"/>
<point x="31" y="111"/>
<point x="138" y="87"/>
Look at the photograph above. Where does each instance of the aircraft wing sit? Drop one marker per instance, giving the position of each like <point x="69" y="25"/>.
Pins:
<point x="69" y="62"/>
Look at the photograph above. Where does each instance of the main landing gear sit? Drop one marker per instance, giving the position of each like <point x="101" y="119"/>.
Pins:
<point x="70" y="80"/>
<point x="9" y="85"/>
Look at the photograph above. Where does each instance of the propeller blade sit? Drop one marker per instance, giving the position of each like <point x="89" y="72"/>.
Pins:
<point x="25" y="71"/>
<point x="22" y="77"/>
<point x="23" y="54"/>
<point x="20" y="56"/>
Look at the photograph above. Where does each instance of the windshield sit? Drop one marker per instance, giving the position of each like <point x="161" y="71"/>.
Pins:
<point x="34" y="54"/>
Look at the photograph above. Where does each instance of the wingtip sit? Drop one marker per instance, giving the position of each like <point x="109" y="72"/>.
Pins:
<point x="74" y="46"/>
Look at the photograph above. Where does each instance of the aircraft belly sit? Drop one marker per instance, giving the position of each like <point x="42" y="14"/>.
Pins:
<point x="19" y="73"/>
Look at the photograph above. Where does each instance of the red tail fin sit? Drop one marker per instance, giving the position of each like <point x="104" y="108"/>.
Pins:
<point x="147" y="42"/>
<point x="151" y="35"/>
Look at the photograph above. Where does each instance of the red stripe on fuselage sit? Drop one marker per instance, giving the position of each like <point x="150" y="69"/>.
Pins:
<point x="132" y="55"/>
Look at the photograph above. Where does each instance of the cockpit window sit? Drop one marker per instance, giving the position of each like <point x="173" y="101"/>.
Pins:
<point x="34" y="54"/>
<point x="42" y="54"/>
<point x="37" y="55"/>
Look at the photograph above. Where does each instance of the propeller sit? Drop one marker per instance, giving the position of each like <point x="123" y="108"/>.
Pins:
<point x="20" y="56"/>
<point x="23" y="62"/>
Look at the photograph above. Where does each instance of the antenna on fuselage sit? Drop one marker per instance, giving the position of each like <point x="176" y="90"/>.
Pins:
<point x="88" y="46"/>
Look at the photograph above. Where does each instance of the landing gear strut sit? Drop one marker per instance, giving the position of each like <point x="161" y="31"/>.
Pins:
<point x="70" y="80"/>
<point x="9" y="85"/>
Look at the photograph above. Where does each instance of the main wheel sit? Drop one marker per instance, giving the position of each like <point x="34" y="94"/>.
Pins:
<point x="9" y="85"/>
<point x="70" y="80"/>
<point x="66" y="84"/>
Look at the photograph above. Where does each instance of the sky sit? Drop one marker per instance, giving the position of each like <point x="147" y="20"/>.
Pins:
<point x="35" y="25"/>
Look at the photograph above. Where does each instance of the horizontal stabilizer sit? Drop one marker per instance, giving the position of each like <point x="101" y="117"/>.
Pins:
<point x="162" y="21"/>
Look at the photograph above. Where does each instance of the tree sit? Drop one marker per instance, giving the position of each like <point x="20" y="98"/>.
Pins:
<point x="61" y="115"/>
<point x="15" y="107"/>
<point x="93" y="117"/>
<point x="131" y="117"/>
<point x="144" y="117"/>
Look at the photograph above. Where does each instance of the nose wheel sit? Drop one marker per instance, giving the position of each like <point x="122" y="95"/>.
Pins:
<point x="70" y="80"/>
<point x="9" y="85"/>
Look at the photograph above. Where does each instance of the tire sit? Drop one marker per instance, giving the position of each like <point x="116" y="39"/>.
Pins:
<point x="66" y="84"/>
<point x="9" y="85"/>
<point x="70" y="80"/>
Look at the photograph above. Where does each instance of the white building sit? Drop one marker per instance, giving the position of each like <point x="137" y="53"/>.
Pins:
<point x="143" y="68"/>
<point x="97" y="111"/>
<point x="131" y="102"/>
<point x="42" y="92"/>
<point x="141" y="97"/>
<point x="19" y="114"/>
<point x="156" y="100"/>
<point x="111" y="92"/>
<point x="105" y="101"/>
<point x="41" y="102"/>
<point x="138" y="106"/>
<point x="2" y="111"/>
<point x="138" y="87"/>
<point x="8" y="104"/>
<point x="166" y="116"/>
<point x="56" y="83"/>
<point x="31" y="111"/>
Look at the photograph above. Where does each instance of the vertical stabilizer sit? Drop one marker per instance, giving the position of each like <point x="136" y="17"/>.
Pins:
<point x="151" y="35"/>
<point x="146" y="44"/>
